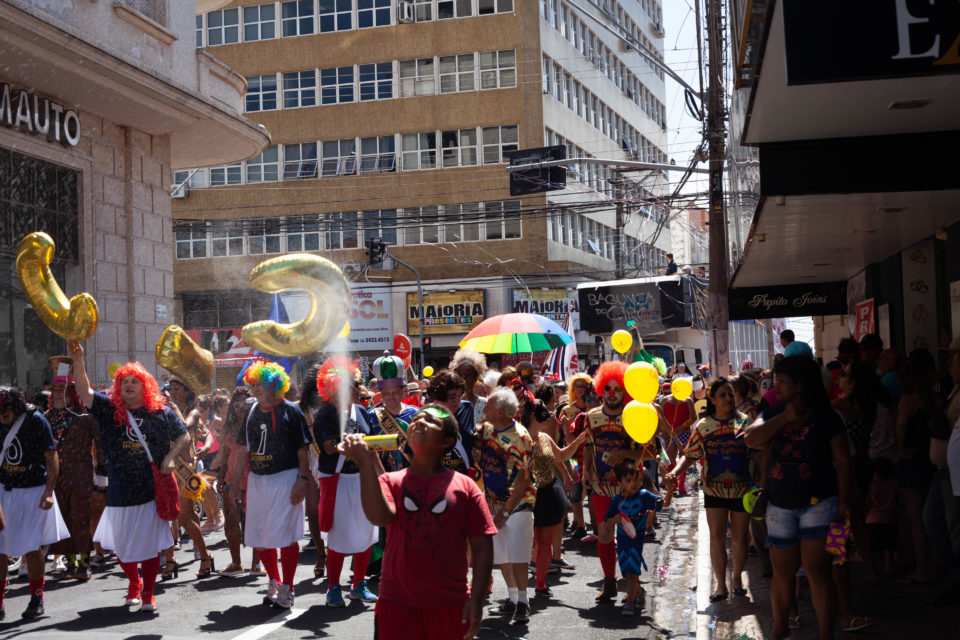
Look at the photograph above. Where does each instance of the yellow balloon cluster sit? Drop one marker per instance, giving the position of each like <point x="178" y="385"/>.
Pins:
<point x="427" y="371"/>
<point x="330" y="302"/>
<point x="681" y="388"/>
<point x="621" y="341"/>
<point x="640" y="421"/>
<point x="74" y="319"/>
<point x="642" y="381"/>
<point x="184" y="358"/>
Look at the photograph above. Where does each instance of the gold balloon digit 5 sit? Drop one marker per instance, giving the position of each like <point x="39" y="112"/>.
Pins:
<point x="74" y="319"/>
<point x="330" y="303"/>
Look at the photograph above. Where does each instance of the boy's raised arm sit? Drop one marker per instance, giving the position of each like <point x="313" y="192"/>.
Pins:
<point x="379" y="511"/>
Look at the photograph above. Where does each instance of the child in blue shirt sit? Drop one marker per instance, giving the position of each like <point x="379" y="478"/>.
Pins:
<point x="628" y="511"/>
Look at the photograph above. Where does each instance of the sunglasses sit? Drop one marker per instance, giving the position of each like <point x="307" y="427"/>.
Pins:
<point x="609" y="388"/>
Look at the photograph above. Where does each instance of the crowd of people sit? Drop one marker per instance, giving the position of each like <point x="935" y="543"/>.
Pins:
<point x="492" y="468"/>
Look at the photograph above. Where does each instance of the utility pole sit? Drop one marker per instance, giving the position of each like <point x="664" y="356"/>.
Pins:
<point x="618" y="183"/>
<point x="718" y="312"/>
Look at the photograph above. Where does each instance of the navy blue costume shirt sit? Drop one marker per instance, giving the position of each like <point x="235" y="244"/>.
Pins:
<point x="274" y="437"/>
<point x="25" y="465"/>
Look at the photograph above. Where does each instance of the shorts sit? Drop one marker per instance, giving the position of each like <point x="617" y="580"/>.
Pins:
<point x="551" y="505"/>
<point x="883" y="535"/>
<point x="734" y="505"/>
<point x="512" y="543"/>
<point x="786" y="527"/>
<point x="394" y="621"/>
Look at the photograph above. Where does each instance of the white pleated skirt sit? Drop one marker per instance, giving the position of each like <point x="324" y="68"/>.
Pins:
<point x="272" y="522"/>
<point x="351" y="531"/>
<point x="135" y="533"/>
<point x="28" y="527"/>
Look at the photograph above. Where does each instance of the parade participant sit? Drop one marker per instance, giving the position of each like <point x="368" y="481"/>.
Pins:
<point x="628" y="512"/>
<point x="341" y="513"/>
<point x="28" y="475"/>
<point x="582" y="398"/>
<point x="432" y="516"/>
<point x="680" y="416"/>
<point x="208" y="444"/>
<point x="309" y="403"/>
<point x="275" y="435"/>
<point x="607" y="444"/>
<point x="76" y="434"/>
<point x="185" y="402"/>
<point x="717" y="441"/>
<point x="471" y="365"/>
<point x="504" y="451"/>
<point x="447" y="389"/>
<point x="392" y="416"/>
<point x="136" y="427"/>
<point x="528" y="374"/>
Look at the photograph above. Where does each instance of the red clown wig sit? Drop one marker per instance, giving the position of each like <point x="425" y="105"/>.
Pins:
<point x="332" y="374"/>
<point x="152" y="400"/>
<point x="611" y="371"/>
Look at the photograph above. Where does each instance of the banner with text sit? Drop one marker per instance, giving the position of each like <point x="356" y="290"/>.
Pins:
<point x="370" y="325"/>
<point x="788" y="301"/>
<point x="549" y="303"/>
<point x="445" y="312"/>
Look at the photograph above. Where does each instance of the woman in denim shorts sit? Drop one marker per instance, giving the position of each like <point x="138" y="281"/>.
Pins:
<point x="809" y="475"/>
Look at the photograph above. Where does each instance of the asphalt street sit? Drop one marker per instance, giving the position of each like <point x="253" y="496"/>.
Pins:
<point x="230" y="608"/>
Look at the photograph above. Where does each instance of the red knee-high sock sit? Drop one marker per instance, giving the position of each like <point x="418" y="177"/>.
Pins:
<point x="544" y="536"/>
<point x="268" y="558"/>
<point x="608" y="558"/>
<point x="130" y="569"/>
<point x="334" y="567"/>
<point x="360" y="562"/>
<point x="3" y="592"/>
<point x="36" y="588"/>
<point x="682" y="482"/>
<point x="150" y="568"/>
<point x="289" y="556"/>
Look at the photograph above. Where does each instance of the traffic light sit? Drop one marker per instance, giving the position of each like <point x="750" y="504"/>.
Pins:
<point x="375" y="251"/>
<point x="427" y="342"/>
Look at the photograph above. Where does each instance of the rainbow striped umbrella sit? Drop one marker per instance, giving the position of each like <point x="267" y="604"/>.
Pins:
<point x="516" y="333"/>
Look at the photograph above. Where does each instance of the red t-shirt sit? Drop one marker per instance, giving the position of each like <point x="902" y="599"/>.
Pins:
<point x="425" y="562"/>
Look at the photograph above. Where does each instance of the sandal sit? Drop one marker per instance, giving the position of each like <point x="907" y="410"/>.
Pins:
<point x="257" y="570"/>
<point x="206" y="567"/>
<point x="717" y="597"/>
<point x="320" y="568"/>
<point x="857" y="623"/>
<point x="233" y="570"/>
<point x="739" y="591"/>
<point x="170" y="570"/>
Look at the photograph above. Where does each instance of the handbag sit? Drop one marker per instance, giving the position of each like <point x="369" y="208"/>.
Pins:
<point x="165" y="488"/>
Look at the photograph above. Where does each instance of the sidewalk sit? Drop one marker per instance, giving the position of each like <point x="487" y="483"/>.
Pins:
<point x="900" y="611"/>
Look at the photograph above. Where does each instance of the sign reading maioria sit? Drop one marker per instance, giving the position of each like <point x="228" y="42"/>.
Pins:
<point x="549" y="303"/>
<point x="788" y="301"/>
<point x="446" y="312"/>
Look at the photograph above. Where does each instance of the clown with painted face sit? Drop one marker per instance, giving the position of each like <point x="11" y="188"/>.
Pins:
<point x="606" y="445"/>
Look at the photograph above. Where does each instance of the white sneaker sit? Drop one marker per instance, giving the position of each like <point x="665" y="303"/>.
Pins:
<point x="59" y="566"/>
<point x="285" y="597"/>
<point x="272" y="589"/>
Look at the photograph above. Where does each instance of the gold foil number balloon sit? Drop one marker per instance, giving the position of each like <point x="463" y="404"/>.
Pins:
<point x="184" y="358"/>
<point x="74" y="319"/>
<point x="330" y="304"/>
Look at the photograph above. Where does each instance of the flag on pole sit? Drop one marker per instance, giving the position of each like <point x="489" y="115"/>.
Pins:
<point x="278" y="313"/>
<point x="562" y="361"/>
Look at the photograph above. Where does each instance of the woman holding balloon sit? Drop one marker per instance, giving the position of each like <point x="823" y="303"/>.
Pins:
<point x="717" y="440"/>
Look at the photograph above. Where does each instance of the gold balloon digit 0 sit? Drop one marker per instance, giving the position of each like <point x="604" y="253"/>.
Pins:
<point x="74" y="319"/>
<point x="330" y="303"/>
<point x="184" y="358"/>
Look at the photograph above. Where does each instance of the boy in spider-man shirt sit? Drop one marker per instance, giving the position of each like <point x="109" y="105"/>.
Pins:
<point x="432" y="516"/>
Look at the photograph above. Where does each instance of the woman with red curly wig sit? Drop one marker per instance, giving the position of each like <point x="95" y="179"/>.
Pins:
<point x="134" y="418"/>
<point x="275" y="435"/>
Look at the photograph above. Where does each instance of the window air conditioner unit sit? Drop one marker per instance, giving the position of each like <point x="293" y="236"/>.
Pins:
<point x="405" y="12"/>
<point x="657" y="29"/>
<point x="179" y="191"/>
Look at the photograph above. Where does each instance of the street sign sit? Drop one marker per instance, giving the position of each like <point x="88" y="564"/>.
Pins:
<point x="402" y="348"/>
<point x="541" y="179"/>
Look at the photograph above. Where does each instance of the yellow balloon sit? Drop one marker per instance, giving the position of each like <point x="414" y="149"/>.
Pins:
<point x="74" y="319"/>
<point x="427" y="371"/>
<point x="330" y="303"/>
<point x="345" y="331"/>
<point x="642" y="381"/>
<point x="621" y="341"/>
<point x="112" y="369"/>
<point x="681" y="388"/>
<point x="640" y="420"/>
<point x="184" y="358"/>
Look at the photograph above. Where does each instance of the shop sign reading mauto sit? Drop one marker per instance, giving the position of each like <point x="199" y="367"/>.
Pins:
<point x="28" y="112"/>
<point x="456" y="312"/>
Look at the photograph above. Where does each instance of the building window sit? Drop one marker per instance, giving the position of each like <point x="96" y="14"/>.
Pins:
<point x="380" y="223"/>
<point x="226" y="239"/>
<point x="297" y="18"/>
<point x="230" y="174"/>
<point x="303" y="233"/>
<point x="339" y="157"/>
<point x="199" y="30"/>
<point x="336" y="15"/>
<point x="223" y="27"/>
<point x="487" y="7"/>
<point x="498" y="142"/>
<point x="300" y="160"/>
<point x="417" y="78"/>
<point x="456" y="73"/>
<point x="459" y="147"/>
<point x="454" y="9"/>
<point x="461" y="222"/>
<point x="419" y="151"/>
<point x="502" y="219"/>
<point x="498" y="69"/>
<point x="376" y="81"/>
<point x="373" y="13"/>
<point x="336" y="85"/>
<point x="263" y="236"/>
<point x="261" y="93"/>
<point x="191" y="240"/>
<point x="299" y="89"/>
<point x="265" y="167"/>
<point x="377" y="154"/>
<point x="342" y="230"/>
<point x="423" y="10"/>
<point x="259" y="23"/>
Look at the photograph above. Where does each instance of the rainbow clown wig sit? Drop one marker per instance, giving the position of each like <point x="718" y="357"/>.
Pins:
<point x="270" y="374"/>
<point x="152" y="399"/>
<point x="331" y="375"/>
<point x="608" y="371"/>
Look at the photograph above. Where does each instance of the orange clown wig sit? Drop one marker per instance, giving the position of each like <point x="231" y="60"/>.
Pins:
<point x="270" y="374"/>
<point x="331" y="375"/>
<point x="611" y="371"/>
<point x="152" y="400"/>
